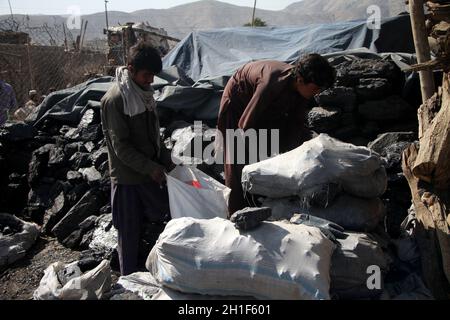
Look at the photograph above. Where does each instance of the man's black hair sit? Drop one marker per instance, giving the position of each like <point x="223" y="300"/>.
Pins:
<point x="143" y="56"/>
<point x="316" y="69"/>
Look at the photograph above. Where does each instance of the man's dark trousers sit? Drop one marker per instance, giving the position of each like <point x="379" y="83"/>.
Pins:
<point x="131" y="205"/>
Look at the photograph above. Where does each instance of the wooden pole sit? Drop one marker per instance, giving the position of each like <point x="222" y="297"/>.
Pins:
<point x="432" y="164"/>
<point x="422" y="47"/>
<point x="10" y="10"/>
<point x="80" y="35"/>
<point x="253" y="15"/>
<point x="106" y="14"/>
<point x="83" y="34"/>
<point x="66" y="48"/>
<point x="428" y="240"/>
<point x="30" y="67"/>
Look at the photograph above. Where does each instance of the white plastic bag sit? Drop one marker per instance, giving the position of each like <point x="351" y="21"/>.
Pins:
<point x="14" y="246"/>
<point x="91" y="285"/>
<point x="318" y="162"/>
<point x="141" y="283"/>
<point x="275" y="261"/>
<point x="193" y="193"/>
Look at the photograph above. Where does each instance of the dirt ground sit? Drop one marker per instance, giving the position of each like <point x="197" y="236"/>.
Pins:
<point x="20" y="279"/>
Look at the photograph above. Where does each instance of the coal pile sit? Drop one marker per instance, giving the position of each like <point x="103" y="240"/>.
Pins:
<point x="56" y="175"/>
<point x="369" y="106"/>
<point x="367" y="100"/>
<point x="397" y="198"/>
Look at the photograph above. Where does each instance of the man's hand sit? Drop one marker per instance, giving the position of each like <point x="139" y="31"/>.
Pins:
<point x="159" y="175"/>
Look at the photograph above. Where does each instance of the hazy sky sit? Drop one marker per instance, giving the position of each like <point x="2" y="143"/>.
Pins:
<point x="91" y="6"/>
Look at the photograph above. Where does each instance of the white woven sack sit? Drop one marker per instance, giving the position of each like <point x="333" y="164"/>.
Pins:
<point x="193" y="193"/>
<point x="275" y="261"/>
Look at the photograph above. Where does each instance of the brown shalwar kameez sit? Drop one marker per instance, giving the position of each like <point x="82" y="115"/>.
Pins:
<point x="261" y="95"/>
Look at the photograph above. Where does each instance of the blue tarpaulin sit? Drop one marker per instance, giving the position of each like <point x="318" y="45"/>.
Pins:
<point x="219" y="52"/>
<point x="197" y="69"/>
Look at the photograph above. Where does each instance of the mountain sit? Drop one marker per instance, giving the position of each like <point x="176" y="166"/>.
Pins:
<point x="179" y="21"/>
<point x="343" y="10"/>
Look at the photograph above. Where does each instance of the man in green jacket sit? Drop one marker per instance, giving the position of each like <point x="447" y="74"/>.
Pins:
<point x="137" y="159"/>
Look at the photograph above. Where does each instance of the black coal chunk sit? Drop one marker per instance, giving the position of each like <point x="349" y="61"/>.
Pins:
<point x="99" y="157"/>
<point x="74" y="177"/>
<point x="390" y="146"/>
<point x="80" y="160"/>
<point x="391" y="108"/>
<point x="88" y="205"/>
<point x="91" y="175"/>
<point x="56" y="212"/>
<point x="373" y="89"/>
<point x="339" y="97"/>
<point x="250" y="218"/>
<point x="57" y="158"/>
<point x="16" y="131"/>
<point x="324" y="120"/>
<point x="349" y="73"/>
<point x="39" y="163"/>
<point x="71" y="148"/>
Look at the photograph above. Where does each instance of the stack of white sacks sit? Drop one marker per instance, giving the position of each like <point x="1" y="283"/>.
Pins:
<point x="336" y="181"/>
<point x="323" y="177"/>
<point x="211" y="258"/>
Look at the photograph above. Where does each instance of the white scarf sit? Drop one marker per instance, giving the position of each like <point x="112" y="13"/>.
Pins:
<point x="135" y="99"/>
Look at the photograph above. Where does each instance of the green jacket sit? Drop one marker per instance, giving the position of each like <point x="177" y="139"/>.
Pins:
<point x="133" y="146"/>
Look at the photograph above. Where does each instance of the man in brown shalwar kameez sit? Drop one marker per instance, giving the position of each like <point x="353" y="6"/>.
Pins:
<point x="270" y="95"/>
